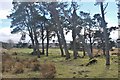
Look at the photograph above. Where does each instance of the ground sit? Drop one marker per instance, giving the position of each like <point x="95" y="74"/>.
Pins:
<point x="72" y="68"/>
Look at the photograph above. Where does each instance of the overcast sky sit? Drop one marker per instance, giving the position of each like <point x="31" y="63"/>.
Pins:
<point x="6" y="6"/>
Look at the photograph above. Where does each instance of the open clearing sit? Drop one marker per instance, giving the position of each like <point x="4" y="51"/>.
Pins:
<point x="72" y="68"/>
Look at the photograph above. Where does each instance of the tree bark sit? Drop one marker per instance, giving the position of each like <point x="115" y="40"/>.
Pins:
<point x="55" y="14"/>
<point x="91" y="47"/>
<point x="42" y="41"/>
<point x="103" y="47"/>
<point x="33" y="29"/>
<point x="82" y="44"/>
<point x="37" y="44"/>
<point x="105" y="35"/>
<point x="64" y="43"/>
<point x="60" y="44"/>
<point x="47" y="46"/>
<point x="87" y="48"/>
<point x="74" y="18"/>
<point x="33" y="44"/>
<point x="75" y="53"/>
<point x="32" y="40"/>
<point x="83" y="52"/>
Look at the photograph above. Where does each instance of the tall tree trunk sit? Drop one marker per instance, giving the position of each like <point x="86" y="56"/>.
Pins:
<point x="103" y="46"/>
<point x="105" y="35"/>
<point x="87" y="48"/>
<point x="75" y="53"/>
<point x="37" y="45"/>
<point x="83" y="52"/>
<point x="91" y="47"/>
<point x="103" y="51"/>
<point x="55" y="13"/>
<point x="42" y="41"/>
<point x="32" y="40"/>
<point x="47" y="46"/>
<point x="33" y="44"/>
<point x="64" y="43"/>
<point x="60" y="44"/>
<point x="82" y="44"/>
<point x="36" y="42"/>
<point x="33" y="29"/>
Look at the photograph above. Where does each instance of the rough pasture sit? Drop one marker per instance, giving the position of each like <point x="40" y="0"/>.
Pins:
<point x="58" y="67"/>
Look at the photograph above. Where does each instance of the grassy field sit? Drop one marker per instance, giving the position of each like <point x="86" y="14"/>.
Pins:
<point x="72" y="68"/>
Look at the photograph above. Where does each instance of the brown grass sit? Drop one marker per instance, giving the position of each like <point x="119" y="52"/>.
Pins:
<point x="5" y="56"/>
<point x="14" y="53"/>
<point x="100" y="52"/>
<point x="115" y="52"/>
<point x="48" y="70"/>
<point x="35" y="66"/>
<point x="96" y="51"/>
<point x="18" y="68"/>
<point x="26" y="64"/>
<point x="7" y="66"/>
<point x="18" y="65"/>
<point x="7" y="62"/>
<point x="33" y="60"/>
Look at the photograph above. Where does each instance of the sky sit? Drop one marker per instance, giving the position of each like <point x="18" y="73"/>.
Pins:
<point x="85" y="5"/>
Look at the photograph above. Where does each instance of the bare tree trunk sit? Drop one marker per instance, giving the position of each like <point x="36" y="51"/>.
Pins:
<point x="64" y="43"/>
<point x="33" y="46"/>
<point x="85" y="46"/>
<point x="33" y="29"/>
<point x="47" y="46"/>
<point x="105" y="35"/>
<point x="103" y="47"/>
<point x="36" y="42"/>
<point x="84" y="52"/>
<point x="60" y="28"/>
<point x="75" y="53"/>
<point x="91" y="47"/>
<point x="103" y="51"/>
<point x="60" y="44"/>
<point x="37" y="45"/>
<point x="32" y="40"/>
<point x="42" y="41"/>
